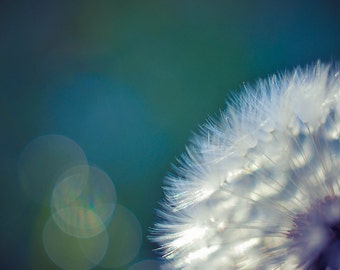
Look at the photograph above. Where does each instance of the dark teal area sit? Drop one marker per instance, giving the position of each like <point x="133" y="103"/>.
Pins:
<point x="129" y="81"/>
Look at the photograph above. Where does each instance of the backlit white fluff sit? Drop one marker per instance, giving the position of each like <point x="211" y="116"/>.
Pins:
<point x="260" y="187"/>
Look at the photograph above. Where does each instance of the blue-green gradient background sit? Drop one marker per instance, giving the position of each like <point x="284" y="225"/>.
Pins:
<point x="129" y="81"/>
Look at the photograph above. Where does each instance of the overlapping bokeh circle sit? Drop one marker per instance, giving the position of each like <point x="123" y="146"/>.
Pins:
<point x="86" y="227"/>
<point x="83" y="201"/>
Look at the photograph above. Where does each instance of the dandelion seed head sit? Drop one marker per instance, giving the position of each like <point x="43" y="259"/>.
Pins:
<point x="316" y="234"/>
<point x="259" y="188"/>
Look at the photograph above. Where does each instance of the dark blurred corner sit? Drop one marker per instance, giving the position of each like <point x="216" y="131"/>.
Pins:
<point x="119" y="86"/>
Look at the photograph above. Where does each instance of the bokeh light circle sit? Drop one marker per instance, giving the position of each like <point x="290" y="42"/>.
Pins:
<point x="70" y="186"/>
<point x="79" y="222"/>
<point x="83" y="201"/>
<point x="125" y="238"/>
<point x="43" y="160"/>
<point x="68" y="252"/>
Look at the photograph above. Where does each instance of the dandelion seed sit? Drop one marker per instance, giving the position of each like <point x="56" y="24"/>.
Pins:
<point x="260" y="187"/>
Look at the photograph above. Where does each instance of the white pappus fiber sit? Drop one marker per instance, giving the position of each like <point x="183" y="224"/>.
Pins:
<point x="260" y="187"/>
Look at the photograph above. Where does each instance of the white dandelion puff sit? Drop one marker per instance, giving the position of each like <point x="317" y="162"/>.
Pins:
<point x="260" y="187"/>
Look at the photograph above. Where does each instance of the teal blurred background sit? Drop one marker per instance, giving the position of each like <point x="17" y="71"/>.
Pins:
<point x="124" y="84"/>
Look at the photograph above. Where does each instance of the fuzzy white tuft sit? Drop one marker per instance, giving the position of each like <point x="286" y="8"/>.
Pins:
<point x="260" y="188"/>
